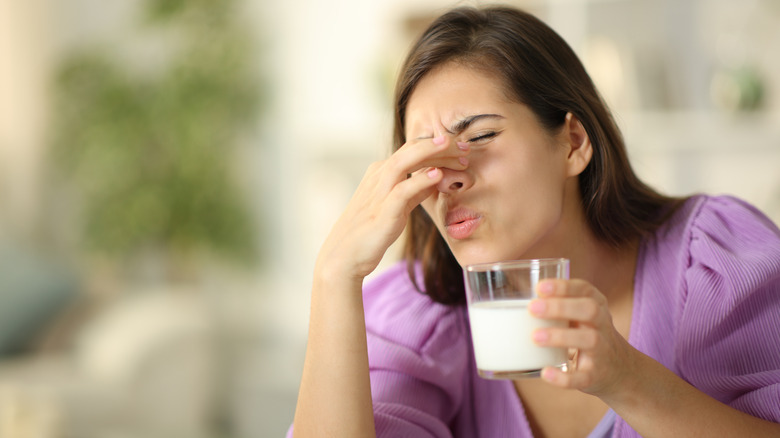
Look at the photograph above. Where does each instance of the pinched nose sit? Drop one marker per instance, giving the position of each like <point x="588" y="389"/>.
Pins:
<point x="454" y="181"/>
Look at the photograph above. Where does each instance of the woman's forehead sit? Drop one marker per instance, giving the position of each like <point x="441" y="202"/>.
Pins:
<point x="453" y="93"/>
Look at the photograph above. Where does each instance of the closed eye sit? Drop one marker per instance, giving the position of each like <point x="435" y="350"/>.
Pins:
<point x="483" y="137"/>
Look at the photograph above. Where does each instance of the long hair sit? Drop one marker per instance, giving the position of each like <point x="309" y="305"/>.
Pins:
<point x="540" y="70"/>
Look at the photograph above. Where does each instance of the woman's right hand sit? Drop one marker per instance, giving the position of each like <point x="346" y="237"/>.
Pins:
<point x="334" y="398"/>
<point x="378" y="211"/>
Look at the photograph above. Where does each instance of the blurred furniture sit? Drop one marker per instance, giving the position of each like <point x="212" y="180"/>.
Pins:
<point x="33" y="290"/>
<point x="144" y="367"/>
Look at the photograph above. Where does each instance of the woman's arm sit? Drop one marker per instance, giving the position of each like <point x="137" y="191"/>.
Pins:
<point x="335" y="393"/>
<point x="648" y="396"/>
<point x="658" y="403"/>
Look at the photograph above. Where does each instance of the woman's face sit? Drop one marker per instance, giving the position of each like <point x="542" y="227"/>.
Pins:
<point x="513" y="200"/>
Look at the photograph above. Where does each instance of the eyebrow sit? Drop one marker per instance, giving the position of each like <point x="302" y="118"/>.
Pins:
<point x="464" y="123"/>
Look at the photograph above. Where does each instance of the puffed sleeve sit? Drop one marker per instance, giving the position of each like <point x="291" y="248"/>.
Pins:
<point x="729" y="332"/>
<point x="417" y="356"/>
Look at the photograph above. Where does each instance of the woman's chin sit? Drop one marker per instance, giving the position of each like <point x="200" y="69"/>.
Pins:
<point x="466" y="258"/>
<point x="478" y="254"/>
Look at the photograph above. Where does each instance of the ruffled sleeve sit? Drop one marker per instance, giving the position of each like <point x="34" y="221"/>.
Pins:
<point x="729" y="338"/>
<point x="418" y="357"/>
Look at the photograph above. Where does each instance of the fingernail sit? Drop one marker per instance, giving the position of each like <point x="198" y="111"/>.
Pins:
<point x="439" y="140"/>
<point x="546" y="288"/>
<point x="464" y="161"/>
<point x="433" y="172"/>
<point x="541" y="336"/>
<point x="548" y="374"/>
<point x="463" y="146"/>
<point x="537" y="307"/>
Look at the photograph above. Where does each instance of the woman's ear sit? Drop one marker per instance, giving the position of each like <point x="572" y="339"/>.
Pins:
<point x="578" y="144"/>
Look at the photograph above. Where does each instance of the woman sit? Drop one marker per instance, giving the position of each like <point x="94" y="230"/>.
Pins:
<point x="505" y="151"/>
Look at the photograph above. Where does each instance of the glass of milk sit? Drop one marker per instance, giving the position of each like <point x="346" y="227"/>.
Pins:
<point x="498" y="295"/>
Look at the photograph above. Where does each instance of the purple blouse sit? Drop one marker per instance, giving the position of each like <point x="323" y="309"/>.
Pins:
<point x="706" y="306"/>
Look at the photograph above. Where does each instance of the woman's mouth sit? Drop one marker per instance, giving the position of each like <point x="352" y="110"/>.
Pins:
<point x="461" y="223"/>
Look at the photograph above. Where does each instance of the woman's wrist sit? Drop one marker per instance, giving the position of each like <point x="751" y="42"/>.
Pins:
<point x="335" y="272"/>
<point x="633" y="382"/>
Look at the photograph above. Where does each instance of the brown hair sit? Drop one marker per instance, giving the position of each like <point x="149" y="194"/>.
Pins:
<point x="541" y="71"/>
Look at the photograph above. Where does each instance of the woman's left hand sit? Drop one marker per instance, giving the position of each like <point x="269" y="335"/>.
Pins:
<point x="603" y="358"/>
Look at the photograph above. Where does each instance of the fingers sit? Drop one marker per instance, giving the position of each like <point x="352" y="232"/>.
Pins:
<point x="417" y="156"/>
<point x="574" y="300"/>
<point x="409" y="193"/>
<point x="577" y="302"/>
<point x="584" y="310"/>
<point x="442" y="151"/>
<point x="597" y="370"/>
<point x="565" y="379"/>
<point x="602" y="354"/>
<point x="581" y="338"/>
<point x="400" y="182"/>
<point x="568" y="288"/>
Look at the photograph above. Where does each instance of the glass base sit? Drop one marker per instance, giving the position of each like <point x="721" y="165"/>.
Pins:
<point x="515" y="374"/>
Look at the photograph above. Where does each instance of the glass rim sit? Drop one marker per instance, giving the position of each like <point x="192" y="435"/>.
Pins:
<point x="514" y="264"/>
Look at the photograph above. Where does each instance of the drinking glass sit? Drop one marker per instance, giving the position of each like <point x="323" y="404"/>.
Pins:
<point x="498" y="295"/>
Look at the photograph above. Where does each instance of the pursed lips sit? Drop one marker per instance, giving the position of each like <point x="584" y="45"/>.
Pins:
<point x="461" y="222"/>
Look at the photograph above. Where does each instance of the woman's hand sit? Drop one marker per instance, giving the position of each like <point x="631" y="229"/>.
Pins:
<point x="334" y="397"/>
<point x="637" y="387"/>
<point x="378" y="211"/>
<point x="602" y="356"/>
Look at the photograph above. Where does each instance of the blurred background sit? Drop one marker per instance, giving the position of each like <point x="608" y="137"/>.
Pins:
<point x="169" y="168"/>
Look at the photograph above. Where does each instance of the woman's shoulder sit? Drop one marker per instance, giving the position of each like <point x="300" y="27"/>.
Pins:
<point x="728" y="339"/>
<point x="724" y="230"/>
<point x="398" y="311"/>
<point x="713" y="249"/>
<point x="710" y="225"/>
<point x="724" y="251"/>
<point x="734" y="253"/>
<point x="730" y="216"/>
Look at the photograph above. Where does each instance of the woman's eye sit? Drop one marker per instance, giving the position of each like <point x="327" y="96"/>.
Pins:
<point x="482" y="137"/>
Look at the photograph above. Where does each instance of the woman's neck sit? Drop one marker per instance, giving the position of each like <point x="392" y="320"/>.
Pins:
<point x="610" y="269"/>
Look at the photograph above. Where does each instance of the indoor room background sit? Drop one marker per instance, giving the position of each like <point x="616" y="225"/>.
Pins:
<point x="169" y="169"/>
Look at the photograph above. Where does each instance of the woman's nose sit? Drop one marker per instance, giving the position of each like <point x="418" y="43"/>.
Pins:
<point x="454" y="181"/>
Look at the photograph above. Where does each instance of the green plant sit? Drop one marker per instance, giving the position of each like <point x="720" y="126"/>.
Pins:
<point x="151" y="151"/>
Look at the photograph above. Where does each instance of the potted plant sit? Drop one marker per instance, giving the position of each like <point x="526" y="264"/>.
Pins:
<point x="147" y="147"/>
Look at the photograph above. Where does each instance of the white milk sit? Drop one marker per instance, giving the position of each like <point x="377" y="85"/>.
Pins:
<point x="501" y="332"/>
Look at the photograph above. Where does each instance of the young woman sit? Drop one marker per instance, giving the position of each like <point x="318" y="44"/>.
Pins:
<point x="504" y="151"/>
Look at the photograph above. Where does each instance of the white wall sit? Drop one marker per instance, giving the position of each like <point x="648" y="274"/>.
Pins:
<point x="23" y="97"/>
